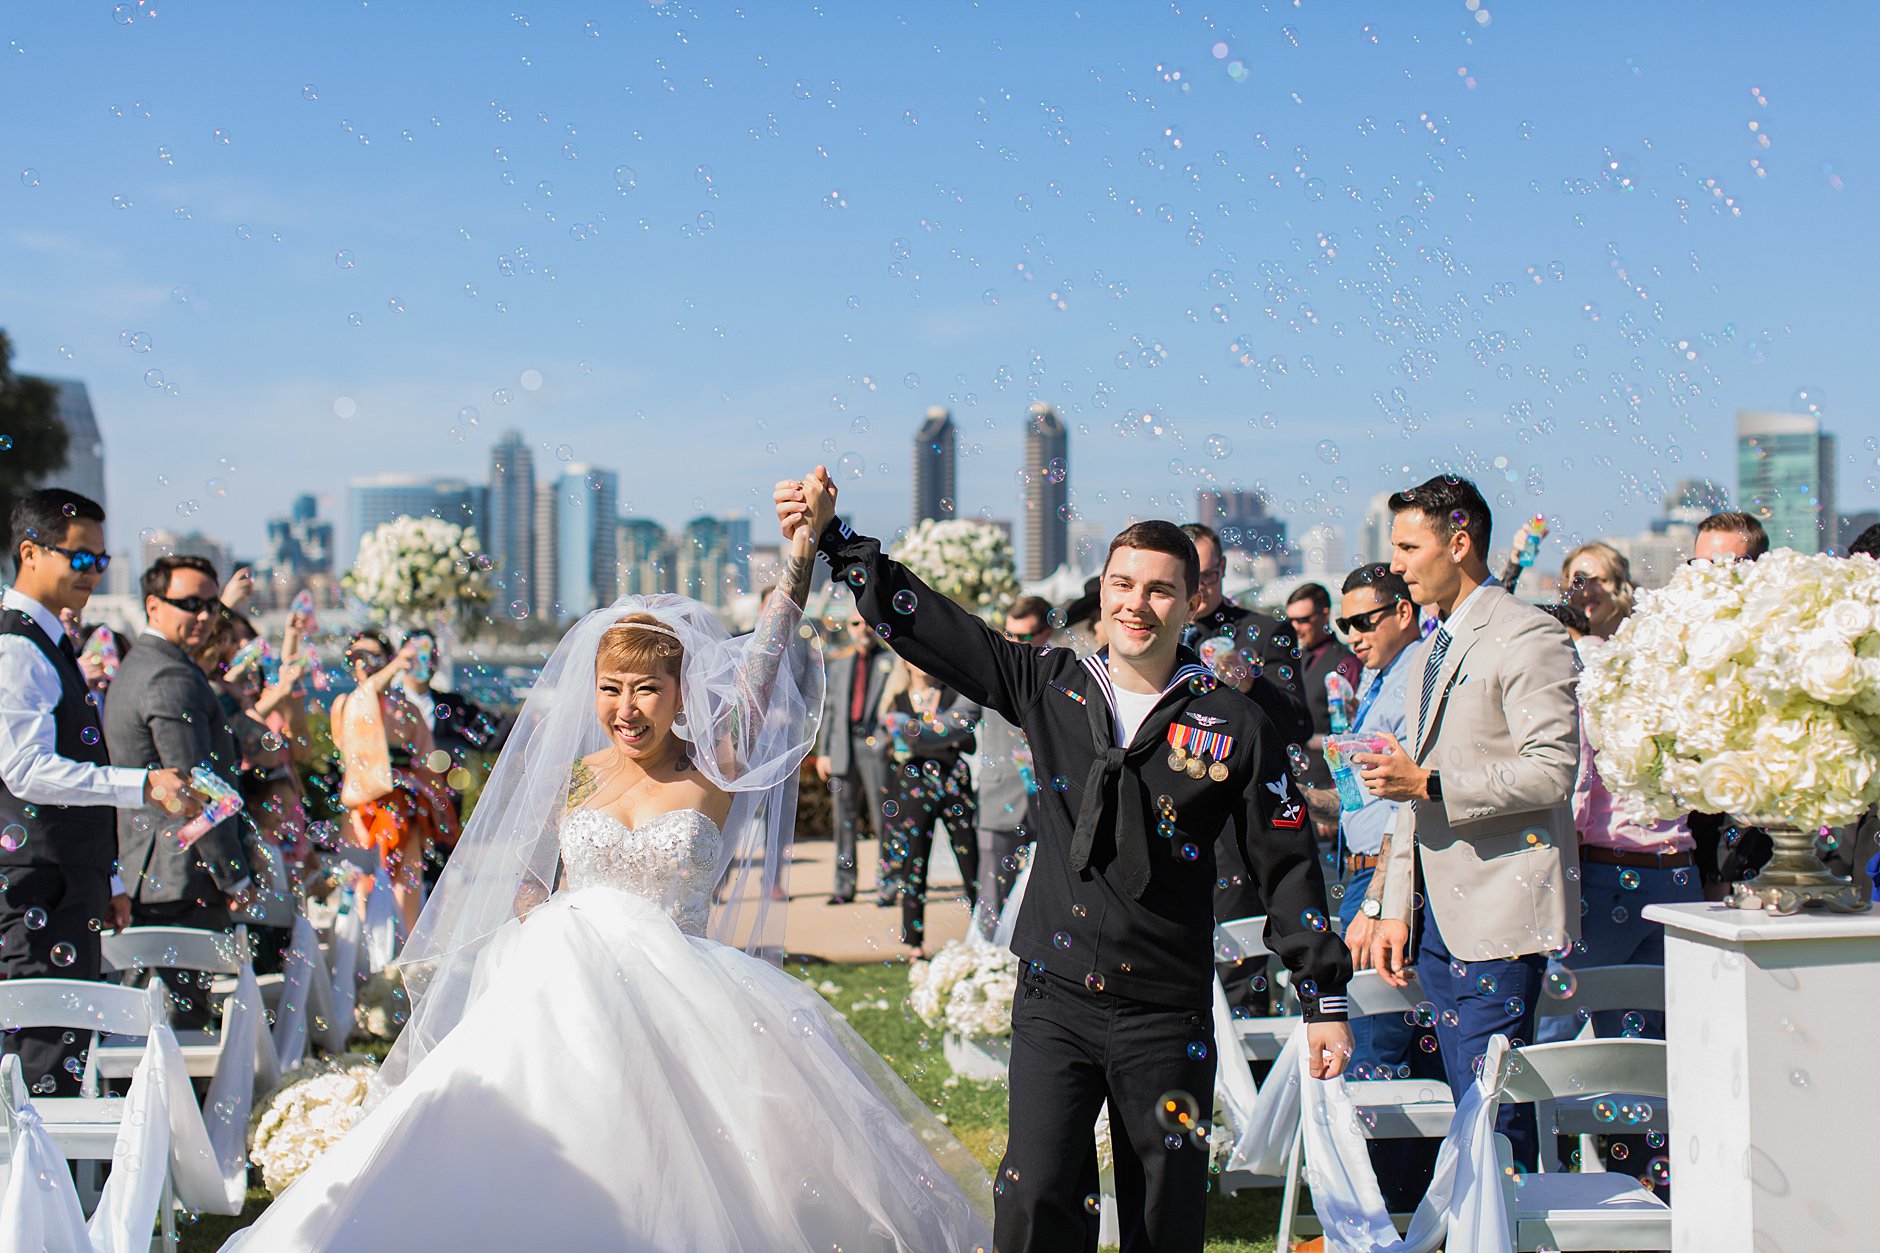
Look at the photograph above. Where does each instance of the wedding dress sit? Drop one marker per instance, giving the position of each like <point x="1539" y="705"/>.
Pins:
<point x="620" y="1082"/>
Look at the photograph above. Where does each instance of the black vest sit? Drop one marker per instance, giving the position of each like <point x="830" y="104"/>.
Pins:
<point x="60" y="835"/>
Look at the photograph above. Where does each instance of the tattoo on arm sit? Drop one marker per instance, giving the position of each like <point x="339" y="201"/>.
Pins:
<point x="797" y="571"/>
<point x="582" y="784"/>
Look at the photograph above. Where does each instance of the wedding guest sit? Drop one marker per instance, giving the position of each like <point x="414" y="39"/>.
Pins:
<point x="1008" y="778"/>
<point x="1512" y="570"/>
<point x="1727" y="851"/>
<point x="163" y="712"/>
<point x="852" y="756"/>
<point x="1487" y="836"/>
<point x="930" y="729"/>
<point x="1380" y="620"/>
<point x="1309" y="613"/>
<point x="396" y="800"/>
<point x="1262" y="661"/>
<point x="458" y="725"/>
<point x="58" y="837"/>
<point x="1597" y="579"/>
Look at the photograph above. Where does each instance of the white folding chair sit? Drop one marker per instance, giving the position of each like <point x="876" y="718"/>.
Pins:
<point x="1244" y="939"/>
<point x="157" y="949"/>
<point x="84" y="1128"/>
<point x="1388" y="1109"/>
<point x="1597" y="989"/>
<point x="1591" y="1210"/>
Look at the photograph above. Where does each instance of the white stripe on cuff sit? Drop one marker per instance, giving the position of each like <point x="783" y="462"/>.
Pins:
<point x="1334" y="1005"/>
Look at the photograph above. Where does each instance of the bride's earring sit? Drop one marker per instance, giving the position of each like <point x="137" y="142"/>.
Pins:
<point x="678" y="719"/>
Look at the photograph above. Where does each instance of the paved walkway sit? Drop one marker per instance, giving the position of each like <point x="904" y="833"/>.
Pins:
<point x="863" y="931"/>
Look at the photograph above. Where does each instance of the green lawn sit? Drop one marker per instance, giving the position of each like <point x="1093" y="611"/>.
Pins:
<point x="976" y="1112"/>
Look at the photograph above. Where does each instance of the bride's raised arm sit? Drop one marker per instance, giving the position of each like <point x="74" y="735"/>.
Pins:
<point x="770" y="643"/>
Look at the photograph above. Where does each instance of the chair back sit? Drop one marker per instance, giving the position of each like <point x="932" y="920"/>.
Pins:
<point x="1371" y="995"/>
<point x="81" y="1005"/>
<point x="1573" y="1069"/>
<point x="177" y="948"/>
<point x="1599" y="988"/>
<point x="1241" y="939"/>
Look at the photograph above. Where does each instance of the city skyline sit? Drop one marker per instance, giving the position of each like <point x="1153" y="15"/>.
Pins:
<point x="1321" y="252"/>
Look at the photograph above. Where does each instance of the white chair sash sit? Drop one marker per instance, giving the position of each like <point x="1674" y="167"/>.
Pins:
<point x="40" y="1208"/>
<point x="1464" y="1211"/>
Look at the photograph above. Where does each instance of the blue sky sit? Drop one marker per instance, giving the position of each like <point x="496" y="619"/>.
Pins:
<point x="1355" y="242"/>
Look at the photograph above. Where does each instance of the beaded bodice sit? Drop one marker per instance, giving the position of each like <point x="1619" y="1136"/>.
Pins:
<point x="671" y="860"/>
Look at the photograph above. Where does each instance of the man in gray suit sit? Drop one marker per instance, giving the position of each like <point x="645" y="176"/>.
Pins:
<point x="852" y="755"/>
<point x="1487" y="834"/>
<point x="1007" y="780"/>
<point x="163" y="714"/>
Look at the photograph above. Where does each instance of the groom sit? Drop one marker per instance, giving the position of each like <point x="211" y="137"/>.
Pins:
<point x="1148" y="761"/>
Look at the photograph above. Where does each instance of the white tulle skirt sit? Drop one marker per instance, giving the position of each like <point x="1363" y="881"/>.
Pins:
<point x="619" y="1085"/>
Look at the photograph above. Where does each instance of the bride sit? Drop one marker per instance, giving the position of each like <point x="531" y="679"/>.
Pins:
<point x="595" y="1059"/>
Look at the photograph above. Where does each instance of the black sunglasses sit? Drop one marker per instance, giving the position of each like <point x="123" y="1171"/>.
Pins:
<point x="191" y="604"/>
<point x="83" y="560"/>
<point x="1366" y="622"/>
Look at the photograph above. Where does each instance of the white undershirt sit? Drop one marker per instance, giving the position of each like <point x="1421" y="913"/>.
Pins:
<point x="1129" y="711"/>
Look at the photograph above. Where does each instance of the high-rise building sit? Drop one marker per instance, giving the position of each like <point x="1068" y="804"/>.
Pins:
<point x="1047" y="493"/>
<point x="154" y="544"/>
<point x="738" y="552"/>
<point x="1785" y="478"/>
<point x="702" y="563"/>
<point x="512" y="515"/>
<point x="586" y="530"/>
<point x="374" y="501"/>
<point x="645" y="558"/>
<point x="1374" y="531"/>
<point x="936" y="456"/>
<point x="300" y="544"/>
<point x="546" y="575"/>
<point x="1243" y="523"/>
<point x="83" y="471"/>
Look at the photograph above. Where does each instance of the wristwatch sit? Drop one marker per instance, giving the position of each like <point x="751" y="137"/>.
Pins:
<point x="1371" y="907"/>
<point x="1435" y="786"/>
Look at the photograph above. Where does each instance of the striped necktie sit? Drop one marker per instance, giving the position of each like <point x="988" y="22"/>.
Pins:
<point x="1439" y="648"/>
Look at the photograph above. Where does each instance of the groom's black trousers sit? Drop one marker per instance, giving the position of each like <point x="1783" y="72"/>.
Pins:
<point x="1073" y="1049"/>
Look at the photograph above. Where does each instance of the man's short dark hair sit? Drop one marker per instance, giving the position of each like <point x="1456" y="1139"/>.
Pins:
<point x="1030" y="607"/>
<point x="425" y="633"/>
<point x="1158" y="536"/>
<point x="1450" y="503"/>
<point x="44" y="517"/>
<point x="1314" y="592"/>
<point x="156" y="581"/>
<point x="1867" y="543"/>
<point x="1739" y="524"/>
<point x="1380" y="578"/>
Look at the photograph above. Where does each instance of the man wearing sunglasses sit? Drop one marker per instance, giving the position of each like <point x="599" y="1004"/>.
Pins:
<point x="1380" y="619"/>
<point x="163" y="712"/>
<point x="58" y="838"/>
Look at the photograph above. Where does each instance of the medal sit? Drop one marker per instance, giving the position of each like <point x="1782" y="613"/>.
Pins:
<point x="1177" y="759"/>
<point x="1218" y="772"/>
<point x="1196" y="767"/>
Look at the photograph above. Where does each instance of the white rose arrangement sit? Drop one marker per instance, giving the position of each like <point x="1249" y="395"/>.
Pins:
<point x="411" y="571"/>
<point x="1748" y="688"/>
<point x="383" y="1007"/>
<point x="316" y="1104"/>
<point x="970" y="563"/>
<point x="966" y="988"/>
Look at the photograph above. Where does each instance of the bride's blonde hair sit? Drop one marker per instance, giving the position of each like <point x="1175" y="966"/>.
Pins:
<point x="639" y="644"/>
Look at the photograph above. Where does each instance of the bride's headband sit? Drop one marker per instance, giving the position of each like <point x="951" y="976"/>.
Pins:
<point x="658" y="628"/>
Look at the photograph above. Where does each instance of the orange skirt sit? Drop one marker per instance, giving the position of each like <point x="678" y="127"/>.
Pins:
<point x="402" y="824"/>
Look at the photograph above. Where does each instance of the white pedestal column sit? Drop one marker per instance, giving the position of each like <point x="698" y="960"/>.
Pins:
<point x="1774" y="1098"/>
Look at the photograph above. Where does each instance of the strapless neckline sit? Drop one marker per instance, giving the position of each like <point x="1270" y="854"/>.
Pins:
<point x="656" y="818"/>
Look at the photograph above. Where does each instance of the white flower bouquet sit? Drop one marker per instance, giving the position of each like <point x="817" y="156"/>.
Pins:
<point x="966" y="988"/>
<point x="970" y="563"/>
<point x="316" y="1104"/>
<point x="411" y="571"/>
<point x="1747" y="688"/>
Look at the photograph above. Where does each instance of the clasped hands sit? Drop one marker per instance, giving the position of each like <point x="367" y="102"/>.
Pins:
<point x="808" y="501"/>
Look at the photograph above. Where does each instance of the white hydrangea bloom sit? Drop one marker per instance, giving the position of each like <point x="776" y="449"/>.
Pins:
<point x="413" y="570"/>
<point x="1749" y="688"/>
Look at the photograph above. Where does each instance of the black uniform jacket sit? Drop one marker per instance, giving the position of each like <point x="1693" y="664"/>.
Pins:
<point x="1091" y="914"/>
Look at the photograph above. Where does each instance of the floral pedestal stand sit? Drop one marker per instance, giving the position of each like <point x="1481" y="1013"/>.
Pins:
<point x="1794" y="879"/>
<point x="1769" y="1026"/>
<point x="983" y="1060"/>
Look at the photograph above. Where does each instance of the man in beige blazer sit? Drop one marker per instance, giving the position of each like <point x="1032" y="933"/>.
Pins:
<point x="1487" y="837"/>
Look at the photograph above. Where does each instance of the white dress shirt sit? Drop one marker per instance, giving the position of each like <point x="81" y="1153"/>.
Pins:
<point x="29" y="759"/>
